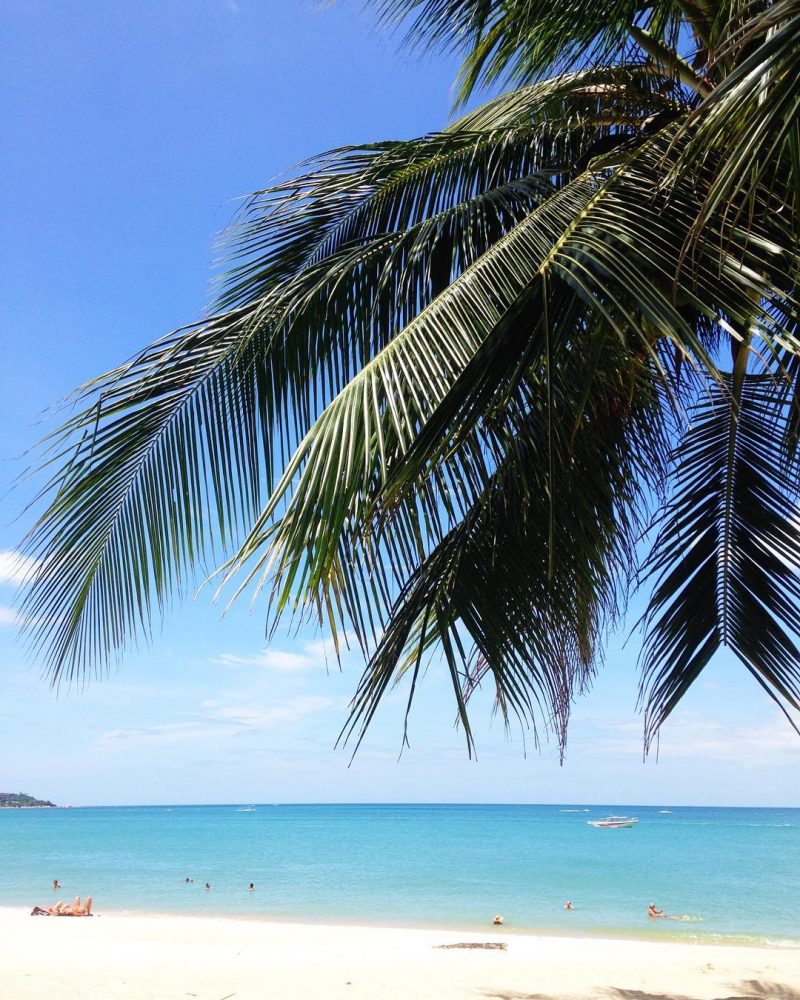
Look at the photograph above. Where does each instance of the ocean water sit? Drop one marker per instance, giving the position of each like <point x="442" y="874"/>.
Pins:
<point x="421" y="865"/>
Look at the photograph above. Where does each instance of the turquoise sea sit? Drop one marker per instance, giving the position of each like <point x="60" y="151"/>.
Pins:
<point x="421" y="865"/>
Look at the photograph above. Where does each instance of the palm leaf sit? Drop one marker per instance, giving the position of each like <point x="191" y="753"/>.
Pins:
<point x="748" y="131"/>
<point x="522" y="40"/>
<point x="725" y="561"/>
<point x="453" y="363"/>
<point x="169" y="454"/>
<point x="534" y="597"/>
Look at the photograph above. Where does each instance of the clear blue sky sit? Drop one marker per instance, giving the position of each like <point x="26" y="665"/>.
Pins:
<point x="129" y="132"/>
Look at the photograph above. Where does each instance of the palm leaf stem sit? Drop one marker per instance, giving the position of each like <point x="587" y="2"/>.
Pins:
<point x="670" y="61"/>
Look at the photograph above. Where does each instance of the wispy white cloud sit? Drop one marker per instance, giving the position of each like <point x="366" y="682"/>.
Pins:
<point x="216" y="720"/>
<point x="8" y="617"/>
<point x="313" y="654"/>
<point x="771" y="742"/>
<point x="168" y="732"/>
<point x="14" y="567"/>
<point x="269" y="659"/>
<point x="258" y="718"/>
<point x="754" y="745"/>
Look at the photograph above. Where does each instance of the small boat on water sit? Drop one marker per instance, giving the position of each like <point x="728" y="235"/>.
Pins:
<point x="613" y="822"/>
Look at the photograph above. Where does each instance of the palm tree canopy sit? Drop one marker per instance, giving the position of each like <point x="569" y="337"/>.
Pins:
<point x="460" y="395"/>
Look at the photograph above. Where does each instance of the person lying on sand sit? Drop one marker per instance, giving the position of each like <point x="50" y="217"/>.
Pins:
<point x="65" y="909"/>
<point x="72" y="910"/>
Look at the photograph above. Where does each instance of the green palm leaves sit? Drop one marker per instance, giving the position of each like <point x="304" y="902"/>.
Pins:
<point x="447" y="381"/>
<point x="522" y="40"/>
<point x="726" y="555"/>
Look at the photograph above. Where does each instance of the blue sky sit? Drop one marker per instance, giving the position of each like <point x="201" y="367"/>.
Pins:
<point x="131" y="130"/>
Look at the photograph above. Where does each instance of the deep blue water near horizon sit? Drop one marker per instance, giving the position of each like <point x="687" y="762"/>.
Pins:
<point x="445" y="865"/>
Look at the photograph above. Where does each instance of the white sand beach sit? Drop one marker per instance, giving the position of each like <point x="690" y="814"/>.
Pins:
<point x="142" y="957"/>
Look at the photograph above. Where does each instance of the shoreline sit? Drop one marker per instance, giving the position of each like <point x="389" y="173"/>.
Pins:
<point x="138" y="956"/>
<point x="651" y="931"/>
<point x="657" y="935"/>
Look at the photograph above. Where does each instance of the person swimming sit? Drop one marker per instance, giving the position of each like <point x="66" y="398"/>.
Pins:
<point x="497" y="920"/>
<point x="653" y="912"/>
<point x="251" y="887"/>
<point x="56" y="884"/>
<point x="208" y="886"/>
<point x="568" y="905"/>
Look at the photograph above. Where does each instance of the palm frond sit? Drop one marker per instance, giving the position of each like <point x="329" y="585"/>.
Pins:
<point x="164" y="462"/>
<point x="536" y="569"/>
<point x="747" y="132"/>
<point x="330" y="264"/>
<point x="454" y="365"/>
<point x="726" y="561"/>
<point x="520" y="41"/>
<point x="169" y="453"/>
<point x="414" y="418"/>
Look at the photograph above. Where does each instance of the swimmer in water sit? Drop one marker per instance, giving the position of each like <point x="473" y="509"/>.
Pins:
<point x="568" y="905"/>
<point x="56" y="884"/>
<point x="208" y="886"/>
<point x="250" y="887"/>
<point x="653" y="912"/>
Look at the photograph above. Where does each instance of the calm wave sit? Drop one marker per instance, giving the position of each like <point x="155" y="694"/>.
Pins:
<point x="446" y="865"/>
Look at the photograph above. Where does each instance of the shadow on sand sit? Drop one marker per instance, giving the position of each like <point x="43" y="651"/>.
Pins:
<point x="751" y="989"/>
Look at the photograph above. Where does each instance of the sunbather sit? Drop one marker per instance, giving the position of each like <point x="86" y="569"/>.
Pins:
<point x="65" y="909"/>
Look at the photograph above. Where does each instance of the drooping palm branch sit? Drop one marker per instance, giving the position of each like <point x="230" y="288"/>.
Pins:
<point x="436" y="398"/>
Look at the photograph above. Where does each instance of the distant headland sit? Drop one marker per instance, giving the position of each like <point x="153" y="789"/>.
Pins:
<point x="19" y="800"/>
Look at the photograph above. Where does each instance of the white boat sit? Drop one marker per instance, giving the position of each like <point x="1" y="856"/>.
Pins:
<point x="613" y="822"/>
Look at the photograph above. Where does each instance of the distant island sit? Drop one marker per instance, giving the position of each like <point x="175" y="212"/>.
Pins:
<point x="19" y="800"/>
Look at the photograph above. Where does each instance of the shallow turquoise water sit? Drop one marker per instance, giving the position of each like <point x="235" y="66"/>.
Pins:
<point x="446" y="865"/>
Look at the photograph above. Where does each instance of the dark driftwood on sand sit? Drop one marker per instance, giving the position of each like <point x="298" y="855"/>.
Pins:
<point x="491" y="945"/>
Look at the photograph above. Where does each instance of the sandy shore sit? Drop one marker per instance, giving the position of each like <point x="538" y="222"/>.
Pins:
<point x="166" y="957"/>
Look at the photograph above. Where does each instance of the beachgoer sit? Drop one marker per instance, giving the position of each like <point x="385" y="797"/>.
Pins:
<point x="56" y="884"/>
<point x="653" y="912"/>
<point x="208" y="885"/>
<point x="498" y="919"/>
<point x="75" y="910"/>
<point x="65" y="909"/>
<point x="82" y="911"/>
<point x="568" y="905"/>
<point x="250" y="887"/>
